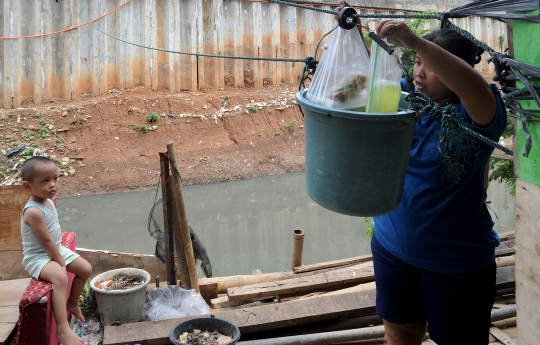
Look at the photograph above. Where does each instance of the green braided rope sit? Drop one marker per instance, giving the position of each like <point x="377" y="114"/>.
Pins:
<point x="317" y="9"/>
<point x="424" y="105"/>
<point x="520" y="92"/>
<point x="470" y="37"/>
<point x="305" y="60"/>
<point x="358" y="15"/>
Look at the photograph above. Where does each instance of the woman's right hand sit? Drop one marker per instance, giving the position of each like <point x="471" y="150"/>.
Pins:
<point x="398" y="33"/>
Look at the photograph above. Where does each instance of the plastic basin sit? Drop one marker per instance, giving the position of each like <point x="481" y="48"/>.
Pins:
<point x="211" y="324"/>
<point x="356" y="162"/>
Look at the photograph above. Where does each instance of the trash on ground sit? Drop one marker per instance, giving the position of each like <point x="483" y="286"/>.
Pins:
<point x="91" y="330"/>
<point x="121" y="282"/>
<point x="204" y="337"/>
<point x="172" y="302"/>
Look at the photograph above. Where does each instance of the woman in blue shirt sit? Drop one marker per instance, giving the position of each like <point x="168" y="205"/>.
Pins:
<point x="434" y="256"/>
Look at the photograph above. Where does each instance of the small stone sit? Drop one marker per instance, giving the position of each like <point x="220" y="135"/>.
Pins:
<point x="71" y="172"/>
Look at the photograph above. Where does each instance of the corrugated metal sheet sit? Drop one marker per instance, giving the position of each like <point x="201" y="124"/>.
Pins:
<point x="85" y="61"/>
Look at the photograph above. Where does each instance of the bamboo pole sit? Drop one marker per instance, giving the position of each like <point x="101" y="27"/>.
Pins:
<point x="297" y="247"/>
<point x="182" y="238"/>
<point x="167" y="218"/>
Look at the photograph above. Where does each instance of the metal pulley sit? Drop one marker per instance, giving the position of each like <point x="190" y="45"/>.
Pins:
<point x="345" y="19"/>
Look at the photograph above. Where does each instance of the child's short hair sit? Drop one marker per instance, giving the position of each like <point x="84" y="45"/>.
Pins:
<point x="28" y="170"/>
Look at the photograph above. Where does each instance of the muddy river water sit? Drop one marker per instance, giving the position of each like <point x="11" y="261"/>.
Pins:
<point x="245" y="225"/>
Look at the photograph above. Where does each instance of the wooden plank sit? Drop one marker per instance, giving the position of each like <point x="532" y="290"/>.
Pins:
<point x="12" y="291"/>
<point x="503" y="261"/>
<point x="12" y="201"/>
<point x="334" y="263"/>
<point x="10" y="297"/>
<point x="12" y="267"/>
<point x="506" y="277"/>
<point x="501" y="336"/>
<point x="528" y="261"/>
<point x="254" y="319"/>
<point x="505" y="251"/>
<point x="360" y="273"/>
<point x="208" y="291"/>
<point x="104" y="260"/>
<point x="282" y="287"/>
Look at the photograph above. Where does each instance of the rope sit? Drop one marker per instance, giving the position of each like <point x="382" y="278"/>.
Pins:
<point x="358" y="15"/>
<point x="305" y="60"/>
<point x="68" y="29"/>
<point x="448" y="142"/>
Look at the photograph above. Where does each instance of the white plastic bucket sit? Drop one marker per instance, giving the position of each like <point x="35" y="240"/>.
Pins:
<point x="123" y="306"/>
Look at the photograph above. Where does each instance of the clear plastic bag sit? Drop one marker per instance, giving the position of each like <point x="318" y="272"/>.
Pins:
<point x="173" y="301"/>
<point x="340" y="80"/>
<point x="384" y="90"/>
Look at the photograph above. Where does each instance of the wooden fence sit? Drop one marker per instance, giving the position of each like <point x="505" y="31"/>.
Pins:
<point x="84" y="60"/>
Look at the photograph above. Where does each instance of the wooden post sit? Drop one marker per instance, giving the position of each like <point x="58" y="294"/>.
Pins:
<point x="167" y="218"/>
<point x="297" y="247"/>
<point x="182" y="238"/>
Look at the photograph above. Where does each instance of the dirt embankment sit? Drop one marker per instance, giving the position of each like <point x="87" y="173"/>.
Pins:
<point x="109" y="143"/>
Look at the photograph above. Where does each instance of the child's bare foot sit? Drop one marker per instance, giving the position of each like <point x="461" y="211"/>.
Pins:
<point x="73" y="308"/>
<point x="66" y="336"/>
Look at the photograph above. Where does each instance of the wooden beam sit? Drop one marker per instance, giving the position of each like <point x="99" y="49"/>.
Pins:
<point x="357" y="274"/>
<point x="506" y="277"/>
<point x="103" y="260"/>
<point x="167" y="218"/>
<point x="183" y="242"/>
<point x="334" y="263"/>
<point x="254" y="319"/>
<point x="10" y="298"/>
<point x="501" y="336"/>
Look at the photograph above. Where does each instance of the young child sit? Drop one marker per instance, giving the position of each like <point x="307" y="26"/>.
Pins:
<point x="44" y="256"/>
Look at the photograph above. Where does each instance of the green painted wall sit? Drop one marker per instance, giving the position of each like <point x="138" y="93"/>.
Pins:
<point x="527" y="49"/>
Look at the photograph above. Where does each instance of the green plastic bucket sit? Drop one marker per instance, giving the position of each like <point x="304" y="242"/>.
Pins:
<point x="356" y="161"/>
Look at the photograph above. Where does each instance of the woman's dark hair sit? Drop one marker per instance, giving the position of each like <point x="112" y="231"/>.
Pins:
<point x="455" y="43"/>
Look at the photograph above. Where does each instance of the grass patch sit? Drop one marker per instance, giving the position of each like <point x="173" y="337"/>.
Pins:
<point x="152" y="117"/>
<point x="141" y="128"/>
<point x="291" y="126"/>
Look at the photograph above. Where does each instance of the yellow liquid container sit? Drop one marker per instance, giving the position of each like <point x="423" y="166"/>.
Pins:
<point x="384" y="97"/>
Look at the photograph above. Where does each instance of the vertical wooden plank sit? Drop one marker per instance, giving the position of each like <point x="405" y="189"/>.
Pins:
<point x="275" y="17"/>
<point x="10" y="48"/>
<point x="183" y="244"/>
<point x="162" y="58"/>
<point x="67" y="46"/>
<point x="172" y="15"/>
<point x="167" y="218"/>
<point x="83" y="60"/>
<point x="266" y="49"/>
<point x="256" y="42"/>
<point x="206" y="64"/>
<point x="197" y="43"/>
<point x="128" y="55"/>
<point x="218" y="31"/>
<point x="149" y="41"/>
<point x="3" y="98"/>
<point x="137" y="33"/>
<point x="527" y="261"/>
<point x="188" y="44"/>
<point x="120" y="61"/>
<point x="235" y="16"/>
<point x="98" y="41"/>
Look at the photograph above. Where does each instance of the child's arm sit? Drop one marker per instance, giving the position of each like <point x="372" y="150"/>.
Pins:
<point x="35" y="218"/>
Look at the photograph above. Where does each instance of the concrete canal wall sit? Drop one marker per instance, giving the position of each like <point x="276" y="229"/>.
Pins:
<point x="36" y="65"/>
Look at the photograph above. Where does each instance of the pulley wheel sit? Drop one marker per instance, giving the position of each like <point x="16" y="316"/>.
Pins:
<point x="345" y="19"/>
